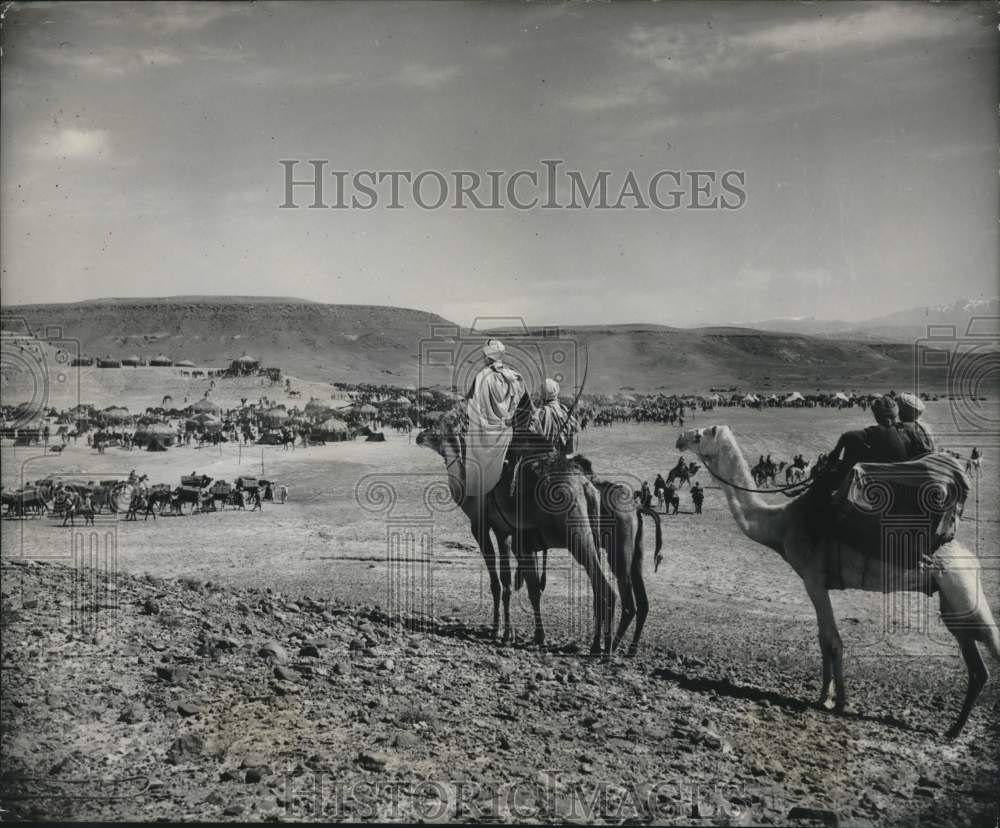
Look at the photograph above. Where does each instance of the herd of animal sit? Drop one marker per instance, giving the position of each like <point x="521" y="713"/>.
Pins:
<point x="196" y="493"/>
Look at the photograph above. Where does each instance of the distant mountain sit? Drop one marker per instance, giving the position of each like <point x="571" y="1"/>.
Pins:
<point x="901" y="326"/>
<point x="358" y="343"/>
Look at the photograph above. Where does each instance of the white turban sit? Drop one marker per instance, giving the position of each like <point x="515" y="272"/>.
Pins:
<point x="550" y="390"/>
<point x="493" y="349"/>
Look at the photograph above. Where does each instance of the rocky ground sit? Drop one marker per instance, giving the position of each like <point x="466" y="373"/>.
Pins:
<point x="146" y="699"/>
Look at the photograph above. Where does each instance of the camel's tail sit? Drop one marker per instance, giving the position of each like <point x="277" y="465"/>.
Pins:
<point x="657" y="555"/>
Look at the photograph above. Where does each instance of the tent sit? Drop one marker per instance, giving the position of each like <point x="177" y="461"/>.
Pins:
<point x="274" y="416"/>
<point x="161" y="361"/>
<point x="185" y="363"/>
<point x="367" y="409"/>
<point x="840" y="395"/>
<point x="206" y="406"/>
<point x="116" y="414"/>
<point x="158" y="432"/>
<point x="402" y="401"/>
<point x="750" y="398"/>
<point x="795" y="397"/>
<point x="131" y="361"/>
<point x="332" y="428"/>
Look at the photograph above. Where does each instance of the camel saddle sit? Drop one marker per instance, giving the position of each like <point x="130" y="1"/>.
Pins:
<point x="922" y="498"/>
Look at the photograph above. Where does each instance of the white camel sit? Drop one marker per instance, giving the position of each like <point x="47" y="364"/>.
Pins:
<point x="789" y="529"/>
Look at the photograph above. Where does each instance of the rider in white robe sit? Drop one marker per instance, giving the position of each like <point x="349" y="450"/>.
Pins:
<point x="493" y="399"/>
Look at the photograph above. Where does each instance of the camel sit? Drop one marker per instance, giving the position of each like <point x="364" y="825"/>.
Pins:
<point x="788" y="529"/>
<point x="683" y="474"/>
<point x="563" y="511"/>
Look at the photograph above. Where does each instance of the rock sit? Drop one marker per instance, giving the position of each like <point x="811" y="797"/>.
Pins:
<point x="371" y="761"/>
<point x="150" y="607"/>
<point x="293" y="607"/>
<point x="309" y="651"/>
<point x="173" y="674"/>
<point x="342" y="668"/>
<point x="405" y="739"/>
<point x="184" y="747"/>
<point x="254" y="775"/>
<point x="214" y="798"/>
<point x="226" y="644"/>
<point x="253" y="760"/>
<point x="243" y="607"/>
<point x="132" y="714"/>
<point x="285" y="674"/>
<point x="273" y="651"/>
<point x="234" y="810"/>
<point x="189" y="708"/>
<point x="387" y="665"/>
<point x="926" y="780"/>
<point x="927" y="793"/>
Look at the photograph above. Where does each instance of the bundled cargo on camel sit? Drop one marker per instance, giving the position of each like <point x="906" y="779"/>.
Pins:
<point x="901" y="510"/>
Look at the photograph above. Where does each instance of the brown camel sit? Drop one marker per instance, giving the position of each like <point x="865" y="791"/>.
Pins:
<point x="786" y="529"/>
<point x="558" y="506"/>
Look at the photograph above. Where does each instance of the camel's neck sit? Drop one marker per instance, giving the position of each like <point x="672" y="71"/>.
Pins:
<point x="760" y="521"/>
<point x="453" y="465"/>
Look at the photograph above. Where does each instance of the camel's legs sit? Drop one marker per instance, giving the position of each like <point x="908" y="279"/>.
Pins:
<point x="503" y="546"/>
<point x="581" y="546"/>
<point x="528" y="570"/>
<point x="628" y="607"/>
<point x="481" y="533"/>
<point x="966" y="613"/>
<point x="641" y="603"/>
<point x="978" y="676"/>
<point x="965" y="634"/>
<point x="830" y="646"/>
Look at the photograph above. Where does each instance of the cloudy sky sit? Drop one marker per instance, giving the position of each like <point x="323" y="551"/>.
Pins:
<point x="142" y="146"/>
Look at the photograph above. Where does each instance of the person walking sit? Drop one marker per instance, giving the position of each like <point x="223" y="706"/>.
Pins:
<point x="697" y="497"/>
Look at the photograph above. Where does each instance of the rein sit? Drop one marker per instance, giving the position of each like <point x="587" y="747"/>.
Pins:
<point x="794" y="488"/>
<point x="572" y="408"/>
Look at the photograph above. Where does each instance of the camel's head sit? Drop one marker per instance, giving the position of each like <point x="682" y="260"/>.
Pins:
<point x="702" y="441"/>
<point x="445" y="436"/>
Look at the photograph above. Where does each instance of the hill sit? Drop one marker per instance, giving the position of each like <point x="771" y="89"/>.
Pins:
<point x="309" y="339"/>
<point x="355" y="343"/>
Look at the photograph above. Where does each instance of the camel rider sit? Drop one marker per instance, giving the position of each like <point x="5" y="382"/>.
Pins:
<point x="492" y="401"/>
<point x="910" y="409"/>
<point x="553" y="421"/>
<point x="885" y="442"/>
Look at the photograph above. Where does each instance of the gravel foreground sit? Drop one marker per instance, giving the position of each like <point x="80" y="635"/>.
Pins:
<point x="183" y="700"/>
